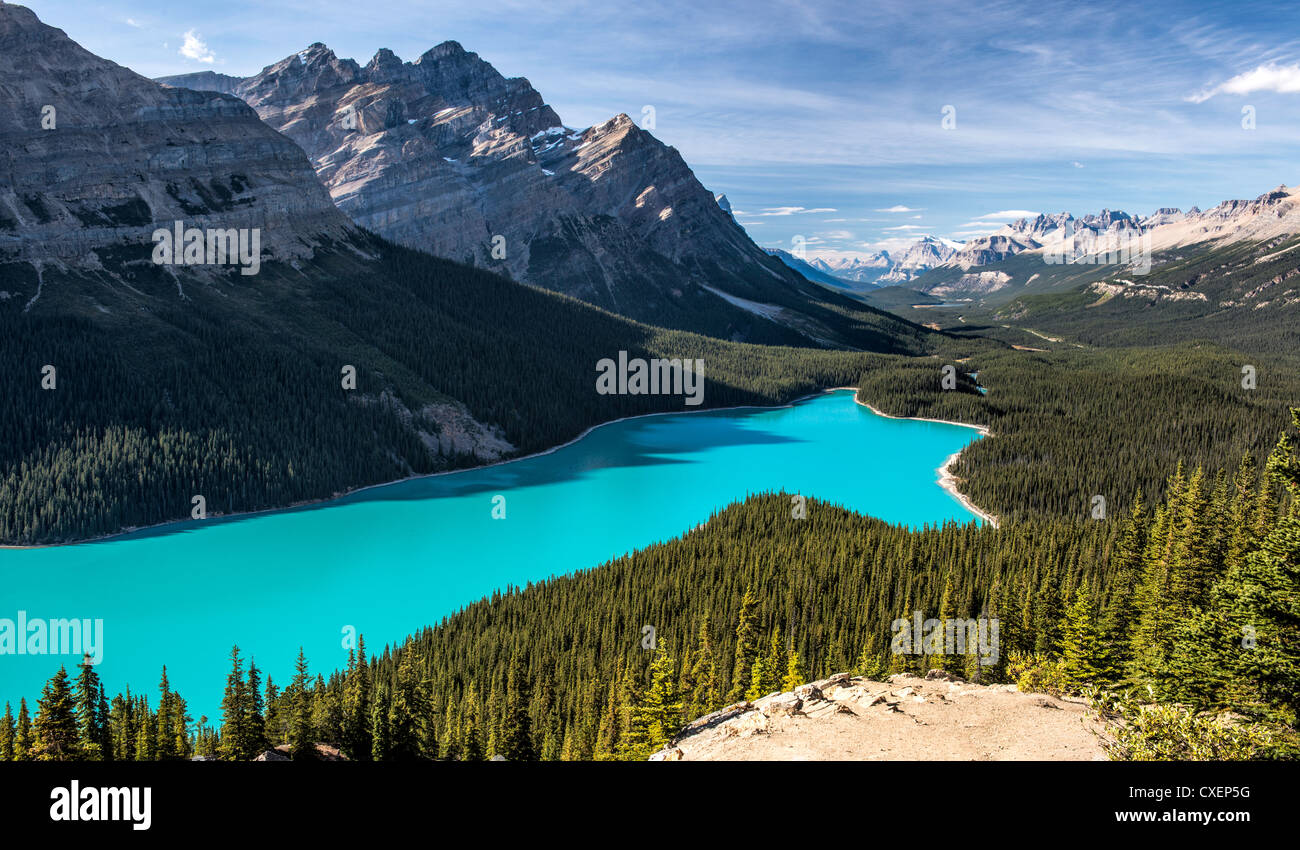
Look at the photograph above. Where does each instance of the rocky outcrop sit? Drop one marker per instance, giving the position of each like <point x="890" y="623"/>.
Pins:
<point x="845" y="717"/>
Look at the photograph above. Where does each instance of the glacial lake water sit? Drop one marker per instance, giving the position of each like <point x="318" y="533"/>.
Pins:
<point x="390" y="560"/>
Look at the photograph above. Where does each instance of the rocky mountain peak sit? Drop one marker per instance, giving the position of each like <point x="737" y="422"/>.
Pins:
<point x="384" y="67"/>
<point x="447" y="155"/>
<point x="445" y="50"/>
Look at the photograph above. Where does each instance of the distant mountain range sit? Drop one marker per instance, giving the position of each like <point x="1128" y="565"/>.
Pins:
<point x="817" y="272"/>
<point x="874" y="270"/>
<point x="446" y="155"/>
<point x="973" y="269"/>
<point x="1063" y="247"/>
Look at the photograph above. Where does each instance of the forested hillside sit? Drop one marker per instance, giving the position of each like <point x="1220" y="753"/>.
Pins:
<point x="1192" y="600"/>
<point x="1071" y="424"/>
<point x="234" y="391"/>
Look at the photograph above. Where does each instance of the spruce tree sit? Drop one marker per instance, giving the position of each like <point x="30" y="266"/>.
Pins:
<point x="301" y="734"/>
<point x="90" y="732"/>
<point x="794" y="674"/>
<point x="380" y="748"/>
<point x="1083" y="655"/>
<point x="660" y="710"/>
<point x="703" y="696"/>
<point x="56" y="721"/>
<point x="235" y="743"/>
<point x="746" y="647"/>
<point x="8" y="733"/>
<point x="24" y="736"/>
<point x="517" y="731"/>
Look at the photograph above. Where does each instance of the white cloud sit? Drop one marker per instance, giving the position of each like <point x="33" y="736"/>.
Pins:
<point x="1077" y="164"/>
<point x="194" y="48"/>
<point x="795" y="210"/>
<point x="1009" y="215"/>
<point x="131" y="22"/>
<point x="1282" y="79"/>
<point x="899" y="208"/>
<point x="905" y="227"/>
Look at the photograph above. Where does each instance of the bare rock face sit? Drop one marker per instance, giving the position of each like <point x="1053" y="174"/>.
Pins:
<point x="446" y="155"/>
<point x="96" y="157"/>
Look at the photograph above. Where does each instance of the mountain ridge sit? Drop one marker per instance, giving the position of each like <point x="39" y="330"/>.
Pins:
<point x="446" y="155"/>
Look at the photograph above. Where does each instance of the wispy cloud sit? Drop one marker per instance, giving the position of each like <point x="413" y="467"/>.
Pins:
<point x="794" y="210"/>
<point x="899" y="208"/>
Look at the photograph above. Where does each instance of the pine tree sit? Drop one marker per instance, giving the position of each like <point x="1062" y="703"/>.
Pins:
<point x="758" y="677"/>
<point x="235" y="743"/>
<point x="144" y="738"/>
<point x="406" y="712"/>
<point x="794" y="674"/>
<point x="1047" y="612"/>
<point x="8" y="733"/>
<point x="380" y="748"/>
<point x="746" y="647"/>
<point x="703" y="696"/>
<point x="517" y="733"/>
<point x="253" y="721"/>
<point x="356" y="706"/>
<point x="274" y="729"/>
<point x="774" y="666"/>
<point x="301" y="734"/>
<point x="90" y="733"/>
<point x="949" y="660"/>
<point x="471" y="737"/>
<point x="24" y="737"/>
<point x="164" y="746"/>
<point x="56" y="721"/>
<point x="659" y="714"/>
<point x="1083" y="655"/>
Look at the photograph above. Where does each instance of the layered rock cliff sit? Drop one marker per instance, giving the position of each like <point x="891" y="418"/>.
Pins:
<point x="95" y="157"/>
<point x="446" y="155"/>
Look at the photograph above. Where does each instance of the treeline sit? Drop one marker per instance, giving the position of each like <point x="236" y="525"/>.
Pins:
<point x="232" y="390"/>
<point x="1189" y="601"/>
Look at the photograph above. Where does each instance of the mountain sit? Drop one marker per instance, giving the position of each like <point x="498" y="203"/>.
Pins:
<point x="863" y="269"/>
<point x="140" y="391"/>
<point x="923" y="254"/>
<point x="446" y="155"/>
<point x="100" y="156"/>
<point x="866" y="269"/>
<point x="812" y="271"/>
<point x="1225" y="274"/>
<point x="203" y="81"/>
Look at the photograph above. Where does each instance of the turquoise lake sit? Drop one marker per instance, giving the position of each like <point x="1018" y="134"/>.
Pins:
<point x="390" y="560"/>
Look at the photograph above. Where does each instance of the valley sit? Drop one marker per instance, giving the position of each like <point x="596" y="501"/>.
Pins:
<point x="342" y="352"/>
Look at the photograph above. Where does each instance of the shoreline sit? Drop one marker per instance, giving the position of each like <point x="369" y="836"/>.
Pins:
<point x="947" y="479"/>
<point x="104" y="538"/>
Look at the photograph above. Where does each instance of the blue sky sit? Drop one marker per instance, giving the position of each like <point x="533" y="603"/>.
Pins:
<point x="824" y="119"/>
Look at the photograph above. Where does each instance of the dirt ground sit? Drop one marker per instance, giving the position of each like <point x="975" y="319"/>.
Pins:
<point x="907" y="718"/>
